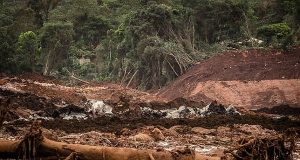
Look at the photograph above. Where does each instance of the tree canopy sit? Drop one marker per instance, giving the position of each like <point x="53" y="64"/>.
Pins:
<point x="146" y="43"/>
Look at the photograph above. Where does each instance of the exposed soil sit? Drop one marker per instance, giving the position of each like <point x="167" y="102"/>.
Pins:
<point x="251" y="79"/>
<point x="250" y="65"/>
<point x="182" y="114"/>
<point x="31" y="76"/>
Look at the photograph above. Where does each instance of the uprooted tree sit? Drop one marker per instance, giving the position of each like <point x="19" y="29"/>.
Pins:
<point x="35" y="145"/>
<point x="157" y="45"/>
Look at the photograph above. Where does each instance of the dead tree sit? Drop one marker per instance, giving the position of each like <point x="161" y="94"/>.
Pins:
<point x="34" y="146"/>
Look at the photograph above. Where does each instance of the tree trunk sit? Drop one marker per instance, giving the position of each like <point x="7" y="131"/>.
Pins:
<point x="35" y="146"/>
<point x="32" y="60"/>
<point x="12" y="149"/>
<point x="46" y="67"/>
<point x="55" y="150"/>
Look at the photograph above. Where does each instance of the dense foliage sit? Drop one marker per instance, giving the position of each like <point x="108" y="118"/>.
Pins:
<point x="143" y="43"/>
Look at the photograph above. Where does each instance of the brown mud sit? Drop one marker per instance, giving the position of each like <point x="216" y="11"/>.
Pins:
<point x="182" y="114"/>
<point x="115" y="124"/>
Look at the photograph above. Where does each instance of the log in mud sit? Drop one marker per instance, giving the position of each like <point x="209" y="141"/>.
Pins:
<point x="124" y="126"/>
<point x="34" y="145"/>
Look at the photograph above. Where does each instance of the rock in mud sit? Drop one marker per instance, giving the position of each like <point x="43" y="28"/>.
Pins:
<point x="142" y="137"/>
<point x="181" y="112"/>
<point x="99" y="108"/>
<point x="157" y="134"/>
<point x="151" y="113"/>
<point x="231" y="110"/>
<point x="218" y="109"/>
<point x="213" y="108"/>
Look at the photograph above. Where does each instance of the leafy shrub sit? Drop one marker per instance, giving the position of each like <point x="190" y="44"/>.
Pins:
<point x="273" y="33"/>
<point x="28" y="50"/>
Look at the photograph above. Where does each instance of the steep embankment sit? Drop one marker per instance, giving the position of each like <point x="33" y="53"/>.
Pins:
<point x="252" y="79"/>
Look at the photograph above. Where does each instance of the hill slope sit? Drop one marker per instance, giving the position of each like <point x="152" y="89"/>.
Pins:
<point x="253" y="79"/>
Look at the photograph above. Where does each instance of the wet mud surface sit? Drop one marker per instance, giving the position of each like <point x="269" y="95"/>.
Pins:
<point x="111" y="116"/>
<point x="115" y="124"/>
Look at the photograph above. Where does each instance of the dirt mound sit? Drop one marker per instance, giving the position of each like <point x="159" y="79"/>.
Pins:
<point x="251" y="65"/>
<point x="251" y="79"/>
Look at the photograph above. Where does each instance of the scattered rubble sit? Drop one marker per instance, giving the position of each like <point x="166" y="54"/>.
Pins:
<point x="210" y="142"/>
<point x="44" y="108"/>
<point x="189" y="112"/>
<point x="126" y="119"/>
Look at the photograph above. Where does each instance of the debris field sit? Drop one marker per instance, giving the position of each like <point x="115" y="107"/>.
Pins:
<point x="199" y="116"/>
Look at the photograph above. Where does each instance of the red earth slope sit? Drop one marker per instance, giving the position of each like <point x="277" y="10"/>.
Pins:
<point x="252" y="79"/>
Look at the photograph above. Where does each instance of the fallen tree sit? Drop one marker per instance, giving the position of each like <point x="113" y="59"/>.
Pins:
<point x="34" y="145"/>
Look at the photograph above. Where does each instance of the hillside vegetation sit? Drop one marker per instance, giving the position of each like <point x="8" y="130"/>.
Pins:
<point x="141" y="43"/>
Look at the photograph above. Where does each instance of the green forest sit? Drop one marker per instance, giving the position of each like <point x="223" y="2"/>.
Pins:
<point x="143" y="43"/>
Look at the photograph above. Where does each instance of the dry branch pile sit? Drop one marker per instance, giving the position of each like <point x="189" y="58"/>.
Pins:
<point x="265" y="148"/>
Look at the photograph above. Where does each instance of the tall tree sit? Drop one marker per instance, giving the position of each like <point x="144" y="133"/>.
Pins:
<point x="56" y="39"/>
<point x="28" y="44"/>
<point x="42" y="8"/>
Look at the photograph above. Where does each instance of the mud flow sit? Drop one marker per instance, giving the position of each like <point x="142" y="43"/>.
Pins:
<point x="41" y="118"/>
